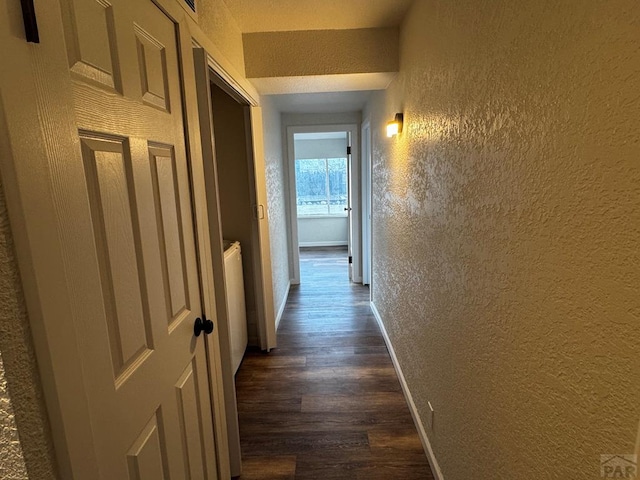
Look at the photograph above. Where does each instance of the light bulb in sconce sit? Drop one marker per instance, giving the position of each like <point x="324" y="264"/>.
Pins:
<point x="395" y="127"/>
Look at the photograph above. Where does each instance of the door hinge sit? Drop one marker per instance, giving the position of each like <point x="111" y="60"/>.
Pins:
<point x="349" y="150"/>
<point x="350" y="259"/>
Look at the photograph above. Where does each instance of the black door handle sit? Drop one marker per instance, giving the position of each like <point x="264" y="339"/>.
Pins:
<point x="202" y="325"/>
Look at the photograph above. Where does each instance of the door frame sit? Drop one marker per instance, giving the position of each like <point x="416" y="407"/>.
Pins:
<point x="208" y="72"/>
<point x="367" y="214"/>
<point x="355" y="246"/>
<point x="255" y="153"/>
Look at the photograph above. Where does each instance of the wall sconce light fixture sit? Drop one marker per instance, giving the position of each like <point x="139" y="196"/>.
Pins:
<point x="395" y="127"/>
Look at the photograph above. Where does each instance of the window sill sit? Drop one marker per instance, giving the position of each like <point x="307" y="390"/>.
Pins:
<point x="307" y="217"/>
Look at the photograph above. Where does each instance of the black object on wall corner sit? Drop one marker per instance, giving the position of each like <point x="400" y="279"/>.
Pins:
<point x="192" y="4"/>
<point x="30" y="21"/>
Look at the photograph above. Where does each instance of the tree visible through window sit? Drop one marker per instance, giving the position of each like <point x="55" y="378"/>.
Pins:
<point x="321" y="186"/>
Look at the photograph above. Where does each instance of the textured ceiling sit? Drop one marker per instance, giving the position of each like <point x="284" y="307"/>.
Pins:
<point x="288" y="15"/>
<point x="323" y="83"/>
<point x="328" y="102"/>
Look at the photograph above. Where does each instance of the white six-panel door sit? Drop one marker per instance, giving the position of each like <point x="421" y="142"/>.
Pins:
<point x="145" y="372"/>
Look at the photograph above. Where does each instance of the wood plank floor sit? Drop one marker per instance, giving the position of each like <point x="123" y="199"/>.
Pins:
<point x="326" y="404"/>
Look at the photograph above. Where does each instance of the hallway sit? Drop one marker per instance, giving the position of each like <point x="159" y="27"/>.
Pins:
<point x="326" y="404"/>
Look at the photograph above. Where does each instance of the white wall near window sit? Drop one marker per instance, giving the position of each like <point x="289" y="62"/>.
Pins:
<point x="323" y="231"/>
<point x="321" y="147"/>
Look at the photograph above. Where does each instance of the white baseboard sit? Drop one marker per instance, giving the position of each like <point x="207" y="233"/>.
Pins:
<point x="283" y="304"/>
<point x="323" y="244"/>
<point x="407" y="394"/>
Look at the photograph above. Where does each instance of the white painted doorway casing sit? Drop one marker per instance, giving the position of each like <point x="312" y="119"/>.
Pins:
<point x="367" y="243"/>
<point x="206" y="72"/>
<point x="349" y="208"/>
<point x="355" y="229"/>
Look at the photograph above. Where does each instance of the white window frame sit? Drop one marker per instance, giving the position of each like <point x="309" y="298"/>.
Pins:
<point x="327" y="189"/>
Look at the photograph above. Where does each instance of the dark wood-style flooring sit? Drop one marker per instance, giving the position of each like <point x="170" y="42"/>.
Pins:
<point x="326" y="404"/>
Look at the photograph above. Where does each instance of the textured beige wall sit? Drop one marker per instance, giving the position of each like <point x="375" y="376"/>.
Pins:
<point x="216" y="21"/>
<point x="287" y="15"/>
<point x="22" y="407"/>
<point x="507" y="232"/>
<point x="320" y="52"/>
<point x="11" y="457"/>
<point x="276" y="177"/>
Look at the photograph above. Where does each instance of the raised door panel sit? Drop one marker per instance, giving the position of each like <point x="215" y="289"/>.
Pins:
<point x="91" y="41"/>
<point x="193" y="414"/>
<point x="112" y="200"/>
<point x="170" y="231"/>
<point x="147" y="458"/>
<point x="152" y="63"/>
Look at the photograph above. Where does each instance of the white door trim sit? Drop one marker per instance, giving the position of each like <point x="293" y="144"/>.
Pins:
<point x="367" y="243"/>
<point x="262" y="278"/>
<point x="355" y="192"/>
<point x="266" y="317"/>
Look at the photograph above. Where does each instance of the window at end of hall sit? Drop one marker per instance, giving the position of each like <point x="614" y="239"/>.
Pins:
<point x="321" y="186"/>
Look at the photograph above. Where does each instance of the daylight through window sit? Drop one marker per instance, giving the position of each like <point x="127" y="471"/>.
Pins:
<point x="321" y="186"/>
